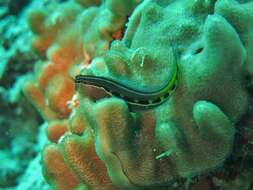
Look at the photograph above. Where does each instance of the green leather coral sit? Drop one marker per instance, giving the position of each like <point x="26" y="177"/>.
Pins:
<point x="193" y="132"/>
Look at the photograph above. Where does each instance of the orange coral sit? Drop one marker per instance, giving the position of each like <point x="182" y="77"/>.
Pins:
<point x="70" y="35"/>
<point x="56" y="129"/>
<point x="75" y="162"/>
<point x="53" y="86"/>
<point x="81" y="154"/>
<point x="78" y="122"/>
<point x="68" y="50"/>
<point x="57" y="172"/>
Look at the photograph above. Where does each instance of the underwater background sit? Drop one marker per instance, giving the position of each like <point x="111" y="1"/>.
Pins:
<point x="126" y="94"/>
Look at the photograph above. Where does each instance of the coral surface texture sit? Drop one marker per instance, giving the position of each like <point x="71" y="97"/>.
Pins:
<point x="142" y="94"/>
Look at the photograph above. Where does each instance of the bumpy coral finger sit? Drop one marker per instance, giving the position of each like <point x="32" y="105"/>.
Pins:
<point x="168" y="135"/>
<point x="240" y="16"/>
<point x="59" y="91"/>
<point x="128" y="152"/>
<point x="56" y="129"/>
<point x="78" y="122"/>
<point x="221" y="39"/>
<point x="81" y="156"/>
<point x="113" y="135"/>
<point x="218" y="35"/>
<point x="208" y="116"/>
<point x="215" y="128"/>
<point x="56" y="171"/>
<point x="34" y="93"/>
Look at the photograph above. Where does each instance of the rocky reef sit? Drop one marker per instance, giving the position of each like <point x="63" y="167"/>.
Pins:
<point x="201" y="134"/>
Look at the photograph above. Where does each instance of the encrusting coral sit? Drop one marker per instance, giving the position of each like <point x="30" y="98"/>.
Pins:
<point x="71" y="35"/>
<point x="97" y="143"/>
<point x="88" y="31"/>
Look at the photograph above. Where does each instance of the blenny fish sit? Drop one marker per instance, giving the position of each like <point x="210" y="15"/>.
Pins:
<point x="137" y="100"/>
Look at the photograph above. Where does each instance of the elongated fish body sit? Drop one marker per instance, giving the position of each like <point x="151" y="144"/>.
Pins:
<point x="136" y="100"/>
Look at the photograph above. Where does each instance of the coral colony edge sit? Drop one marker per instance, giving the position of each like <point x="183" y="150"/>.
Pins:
<point x="126" y="94"/>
